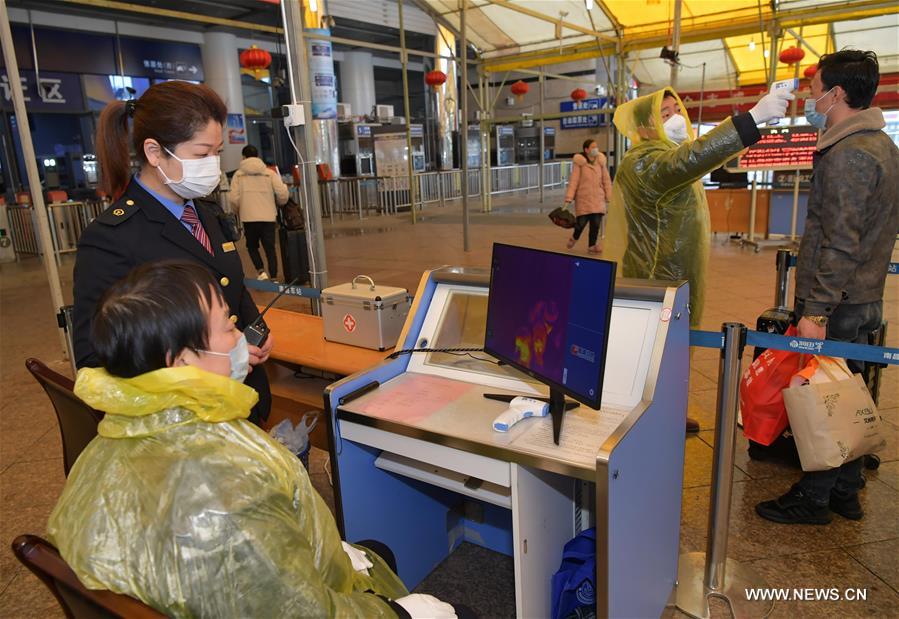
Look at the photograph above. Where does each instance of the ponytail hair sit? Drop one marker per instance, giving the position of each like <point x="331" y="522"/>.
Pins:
<point x="170" y="113"/>
<point x="112" y="149"/>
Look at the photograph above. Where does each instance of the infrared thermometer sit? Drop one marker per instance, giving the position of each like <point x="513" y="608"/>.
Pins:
<point x="789" y="85"/>
<point x="520" y="408"/>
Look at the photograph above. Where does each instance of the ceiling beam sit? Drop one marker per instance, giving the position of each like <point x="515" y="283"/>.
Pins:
<point x="518" y="8"/>
<point x="859" y="9"/>
<point x="437" y="17"/>
<point x="129" y="7"/>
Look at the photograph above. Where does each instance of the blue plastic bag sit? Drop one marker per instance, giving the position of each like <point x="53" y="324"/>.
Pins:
<point x="573" y="586"/>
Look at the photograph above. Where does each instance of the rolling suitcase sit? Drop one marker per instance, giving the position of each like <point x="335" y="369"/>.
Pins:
<point x="774" y="320"/>
<point x="294" y="257"/>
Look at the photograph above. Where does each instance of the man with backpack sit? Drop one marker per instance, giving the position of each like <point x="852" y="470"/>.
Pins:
<point x="255" y="190"/>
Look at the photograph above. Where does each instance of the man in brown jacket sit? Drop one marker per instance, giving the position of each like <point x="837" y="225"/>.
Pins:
<point x="850" y="230"/>
<point x="254" y="190"/>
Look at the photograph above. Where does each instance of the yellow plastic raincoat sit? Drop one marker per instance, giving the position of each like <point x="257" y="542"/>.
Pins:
<point x="184" y="504"/>
<point x="658" y="221"/>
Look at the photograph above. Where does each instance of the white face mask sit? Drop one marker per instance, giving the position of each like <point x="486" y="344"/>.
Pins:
<point x="676" y="129"/>
<point x="199" y="177"/>
<point x="239" y="357"/>
<point x="594" y="153"/>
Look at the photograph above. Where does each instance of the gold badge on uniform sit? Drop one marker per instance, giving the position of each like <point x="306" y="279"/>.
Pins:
<point x="118" y="212"/>
<point x="229" y="246"/>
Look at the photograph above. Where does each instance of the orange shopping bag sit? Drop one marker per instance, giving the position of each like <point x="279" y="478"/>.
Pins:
<point x="761" y="397"/>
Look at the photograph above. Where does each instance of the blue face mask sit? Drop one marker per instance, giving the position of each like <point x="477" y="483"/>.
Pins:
<point x="815" y="118"/>
<point x="239" y="357"/>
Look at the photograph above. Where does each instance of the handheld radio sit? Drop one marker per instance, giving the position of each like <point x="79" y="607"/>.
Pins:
<point x="257" y="331"/>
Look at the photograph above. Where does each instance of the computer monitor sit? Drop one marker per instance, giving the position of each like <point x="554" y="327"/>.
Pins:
<point x="548" y="315"/>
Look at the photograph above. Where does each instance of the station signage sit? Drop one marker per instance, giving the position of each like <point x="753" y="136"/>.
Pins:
<point x="781" y="148"/>
<point x="587" y="121"/>
<point x="162" y="59"/>
<point x="58" y="92"/>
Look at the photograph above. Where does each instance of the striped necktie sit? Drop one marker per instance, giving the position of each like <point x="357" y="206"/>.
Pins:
<point x="196" y="228"/>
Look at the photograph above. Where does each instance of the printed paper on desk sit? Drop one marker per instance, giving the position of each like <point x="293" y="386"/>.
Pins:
<point x="416" y="398"/>
<point x="583" y="433"/>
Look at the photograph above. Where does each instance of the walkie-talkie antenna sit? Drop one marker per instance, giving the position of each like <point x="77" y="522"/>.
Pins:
<point x="257" y="331"/>
<point x="272" y="302"/>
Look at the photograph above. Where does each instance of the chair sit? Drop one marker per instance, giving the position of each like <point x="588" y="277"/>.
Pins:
<point x="77" y="421"/>
<point x="57" y="195"/>
<point x="77" y="601"/>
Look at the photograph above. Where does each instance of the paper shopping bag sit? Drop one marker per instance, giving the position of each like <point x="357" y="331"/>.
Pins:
<point x="833" y="418"/>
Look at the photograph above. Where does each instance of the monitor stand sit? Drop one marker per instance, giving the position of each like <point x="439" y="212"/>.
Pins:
<point x="557" y="408"/>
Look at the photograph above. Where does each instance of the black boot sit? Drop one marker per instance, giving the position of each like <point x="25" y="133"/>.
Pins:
<point x="795" y="507"/>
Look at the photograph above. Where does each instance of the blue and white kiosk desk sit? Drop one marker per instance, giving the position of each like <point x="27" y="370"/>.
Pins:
<point x="418" y="466"/>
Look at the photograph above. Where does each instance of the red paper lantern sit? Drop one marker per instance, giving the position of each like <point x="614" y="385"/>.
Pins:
<point x="810" y="71"/>
<point x="255" y="59"/>
<point x="435" y="79"/>
<point x="792" y="55"/>
<point x="520" y="89"/>
<point x="578" y="94"/>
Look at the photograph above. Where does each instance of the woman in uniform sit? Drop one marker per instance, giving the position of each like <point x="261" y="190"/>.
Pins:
<point x="159" y="212"/>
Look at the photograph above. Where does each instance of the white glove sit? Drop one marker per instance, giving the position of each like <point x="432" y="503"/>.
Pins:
<point x="772" y="105"/>
<point x="360" y="562"/>
<point x="422" y="606"/>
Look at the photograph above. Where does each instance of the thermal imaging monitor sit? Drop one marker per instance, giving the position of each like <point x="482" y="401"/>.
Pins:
<point x="548" y="315"/>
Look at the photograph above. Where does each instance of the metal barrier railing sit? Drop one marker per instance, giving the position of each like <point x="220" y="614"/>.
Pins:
<point x="711" y="574"/>
<point x="357" y="196"/>
<point x="67" y="221"/>
<point x="387" y="195"/>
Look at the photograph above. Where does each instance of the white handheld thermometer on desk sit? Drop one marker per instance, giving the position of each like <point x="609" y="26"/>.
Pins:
<point x="789" y="85"/>
<point x="520" y="408"/>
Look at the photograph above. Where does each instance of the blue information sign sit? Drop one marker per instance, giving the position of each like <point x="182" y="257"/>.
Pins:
<point x="587" y="121"/>
<point x="59" y="92"/>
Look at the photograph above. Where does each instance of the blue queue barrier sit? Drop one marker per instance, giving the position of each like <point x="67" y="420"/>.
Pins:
<point x="831" y="348"/>
<point x="291" y="291"/>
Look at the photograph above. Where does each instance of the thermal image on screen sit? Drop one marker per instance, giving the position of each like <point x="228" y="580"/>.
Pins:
<point x="548" y="314"/>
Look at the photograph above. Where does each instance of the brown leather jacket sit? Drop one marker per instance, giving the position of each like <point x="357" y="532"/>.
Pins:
<point x="853" y="216"/>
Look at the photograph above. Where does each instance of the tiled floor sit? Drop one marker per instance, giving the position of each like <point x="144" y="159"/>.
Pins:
<point x="390" y="249"/>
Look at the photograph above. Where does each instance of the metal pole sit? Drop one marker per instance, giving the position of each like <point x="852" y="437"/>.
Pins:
<point x="542" y="130"/>
<point x="620" y="97"/>
<point x="463" y="97"/>
<point x="301" y="92"/>
<point x="725" y="445"/>
<point x="753" y="206"/>
<point x="675" y="41"/>
<point x="782" y="288"/>
<point x="772" y="55"/>
<point x="701" y="575"/>
<point x="701" y="97"/>
<point x="34" y="180"/>
<point x="410" y="166"/>
<point x="484" y="126"/>
<point x="795" y="213"/>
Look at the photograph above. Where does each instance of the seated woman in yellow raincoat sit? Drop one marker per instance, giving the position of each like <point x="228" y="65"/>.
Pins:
<point x="659" y="217"/>
<point x="183" y="503"/>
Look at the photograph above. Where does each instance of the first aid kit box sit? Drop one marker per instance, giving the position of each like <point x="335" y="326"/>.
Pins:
<point x="364" y="314"/>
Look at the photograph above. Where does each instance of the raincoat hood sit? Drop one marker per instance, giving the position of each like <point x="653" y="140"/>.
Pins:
<point x="658" y="222"/>
<point x="148" y="403"/>
<point x="640" y="119"/>
<point x="199" y="513"/>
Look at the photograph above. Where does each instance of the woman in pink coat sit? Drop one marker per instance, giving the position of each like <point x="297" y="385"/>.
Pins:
<point x="590" y="188"/>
